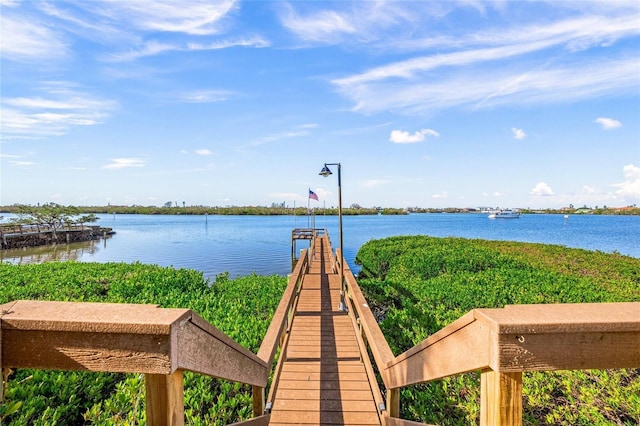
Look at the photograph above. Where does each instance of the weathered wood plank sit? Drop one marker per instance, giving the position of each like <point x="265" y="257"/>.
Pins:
<point x="461" y="347"/>
<point x="324" y="375"/>
<point x="341" y="366"/>
<point x="210" y="352"/>
<point x="92" y="317"/>
<point x="500" y="398"/>
<point x="324" y="384"/>
<point x="324" y="418"/>
<point x="394" y="421"/>
<point x="323" y="380"/>
<point x="324" y="405"/>
<point x="256" y="421"/>
<point x="164" y="399"/>
<point x="69" y="350"/>
<point x="562" y="318"/>
<point x="278" y="323"/>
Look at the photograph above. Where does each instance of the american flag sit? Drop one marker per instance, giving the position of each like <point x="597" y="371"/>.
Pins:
<point x="313" y="195"/>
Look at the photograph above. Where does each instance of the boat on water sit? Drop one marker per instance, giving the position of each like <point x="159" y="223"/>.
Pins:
<point x="505" y="214"/>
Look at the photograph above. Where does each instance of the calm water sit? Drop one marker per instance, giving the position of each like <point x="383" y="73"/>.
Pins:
<point x="242" y="245"/>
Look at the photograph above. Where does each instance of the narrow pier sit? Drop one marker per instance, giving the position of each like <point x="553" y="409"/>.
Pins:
<point x="323" y="374"/>
<point x="323" y="379"/>
<point x="14" y="236"/>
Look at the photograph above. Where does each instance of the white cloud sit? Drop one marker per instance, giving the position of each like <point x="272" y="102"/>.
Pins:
<point x="322" y="193"/>
<point x="21" y="163"/>
<point x="501" y="67"/>
<point x="287" y="196"/>
<point x="193" y="17"/>
<point x="542" y="189"/>
<point x="475" y="89"/>
<point x="608" y="123"/>
<point x="369" y="22"/>
<point x="630" y="188"/>
<point x="518" y="133"/>
<point x="373" y="183"/>
<point x="443" y="195"/>
<point x="152" y="48"/>
<point x="294" y="132"/>
<point x="323" y="26"/>
<point x="121" y="163"/>
<point x="203" y="151"/>
<point x="205" y="96"/>
<point x="61" y="107"/>
<point x="30" y="41"/>
<point x="401" y="136"/>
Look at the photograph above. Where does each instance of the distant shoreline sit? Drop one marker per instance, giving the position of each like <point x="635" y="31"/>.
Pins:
<point x="302" y="211"/>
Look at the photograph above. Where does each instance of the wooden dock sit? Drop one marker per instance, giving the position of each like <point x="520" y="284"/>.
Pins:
<point x="323" y="378"/>
<point x="14" y="236"/>
<point x="324" y="374"/>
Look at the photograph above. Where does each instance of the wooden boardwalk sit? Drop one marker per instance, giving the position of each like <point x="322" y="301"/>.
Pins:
<point x="323" y="380"/>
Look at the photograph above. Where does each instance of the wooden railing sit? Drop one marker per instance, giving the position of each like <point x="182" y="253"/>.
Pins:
<point x="20" y="229"/>
<point x="277" y="334"/>
<point x="502" y="344"/>
<point x="160" y="343"/>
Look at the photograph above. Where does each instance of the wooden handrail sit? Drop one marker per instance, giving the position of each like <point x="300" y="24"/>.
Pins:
<point x="280" y="318"/>
<point x="380" y="349"/>
<point x="162" y="343"/>
<point x="121" y="338"/>
<point x="159" y="342"/>
<point x="520" y="338"/>
<point x="502" y="343"/>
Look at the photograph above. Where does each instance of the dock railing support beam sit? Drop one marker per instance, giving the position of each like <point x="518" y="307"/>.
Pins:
<point x="258" y="400"/>
<point x="500" y="398"/>
<point x="165" y="399"/>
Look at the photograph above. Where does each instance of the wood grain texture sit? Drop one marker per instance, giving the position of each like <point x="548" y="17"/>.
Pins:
<point x="164" y="399"/>
<point x="501" y="398"/>
<point x="323" y="380"/>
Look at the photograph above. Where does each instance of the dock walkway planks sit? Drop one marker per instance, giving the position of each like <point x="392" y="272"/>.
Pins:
<point x="323" y="380"/>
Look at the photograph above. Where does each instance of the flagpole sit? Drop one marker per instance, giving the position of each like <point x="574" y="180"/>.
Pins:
<point x="308" y="205"/>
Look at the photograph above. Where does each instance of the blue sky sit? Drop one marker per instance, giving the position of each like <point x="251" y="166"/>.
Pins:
<point x="424" y="103"/>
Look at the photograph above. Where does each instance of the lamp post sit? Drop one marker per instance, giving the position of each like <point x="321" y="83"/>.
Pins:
<point x="327" y="172"/>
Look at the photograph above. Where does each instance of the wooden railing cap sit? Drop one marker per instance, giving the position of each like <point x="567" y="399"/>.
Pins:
<point x="90" y="317"/>
<point x="554" y="318"/>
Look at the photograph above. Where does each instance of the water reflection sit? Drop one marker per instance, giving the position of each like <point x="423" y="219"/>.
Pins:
<point x="52" y="253"/>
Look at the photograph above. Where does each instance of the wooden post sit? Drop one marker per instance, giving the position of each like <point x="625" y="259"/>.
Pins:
<point x="2" y="370"/>
<point x="258" y="401"/>
<point x="393" y="402"/>
<point x="165" y="399"/>
<point x="500" y="398"/>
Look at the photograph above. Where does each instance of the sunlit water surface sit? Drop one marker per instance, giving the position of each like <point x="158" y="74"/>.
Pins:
<point x="242" y="245"/>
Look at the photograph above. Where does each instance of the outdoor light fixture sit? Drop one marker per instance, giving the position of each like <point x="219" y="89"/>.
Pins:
<point x="327" y="172"/>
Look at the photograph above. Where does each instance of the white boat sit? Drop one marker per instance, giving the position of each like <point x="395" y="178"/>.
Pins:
<point x="505" y="214"/>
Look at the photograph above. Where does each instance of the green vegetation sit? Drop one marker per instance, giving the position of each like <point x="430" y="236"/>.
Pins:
<point x="415" y="285"/>
<point x="418" y="285"/>
<point x="242" y="308"/>
<point x="276" y="210"/>
<point x="52" y="215"/>
<point x="280" y="209"/>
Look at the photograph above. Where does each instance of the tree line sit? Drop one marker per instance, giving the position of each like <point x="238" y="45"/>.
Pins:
<point x="55" y="212"/>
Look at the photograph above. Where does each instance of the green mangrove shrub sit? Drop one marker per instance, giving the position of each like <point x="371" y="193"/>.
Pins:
<point x="416" y="285"/>
<point x="241" y="308"/>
